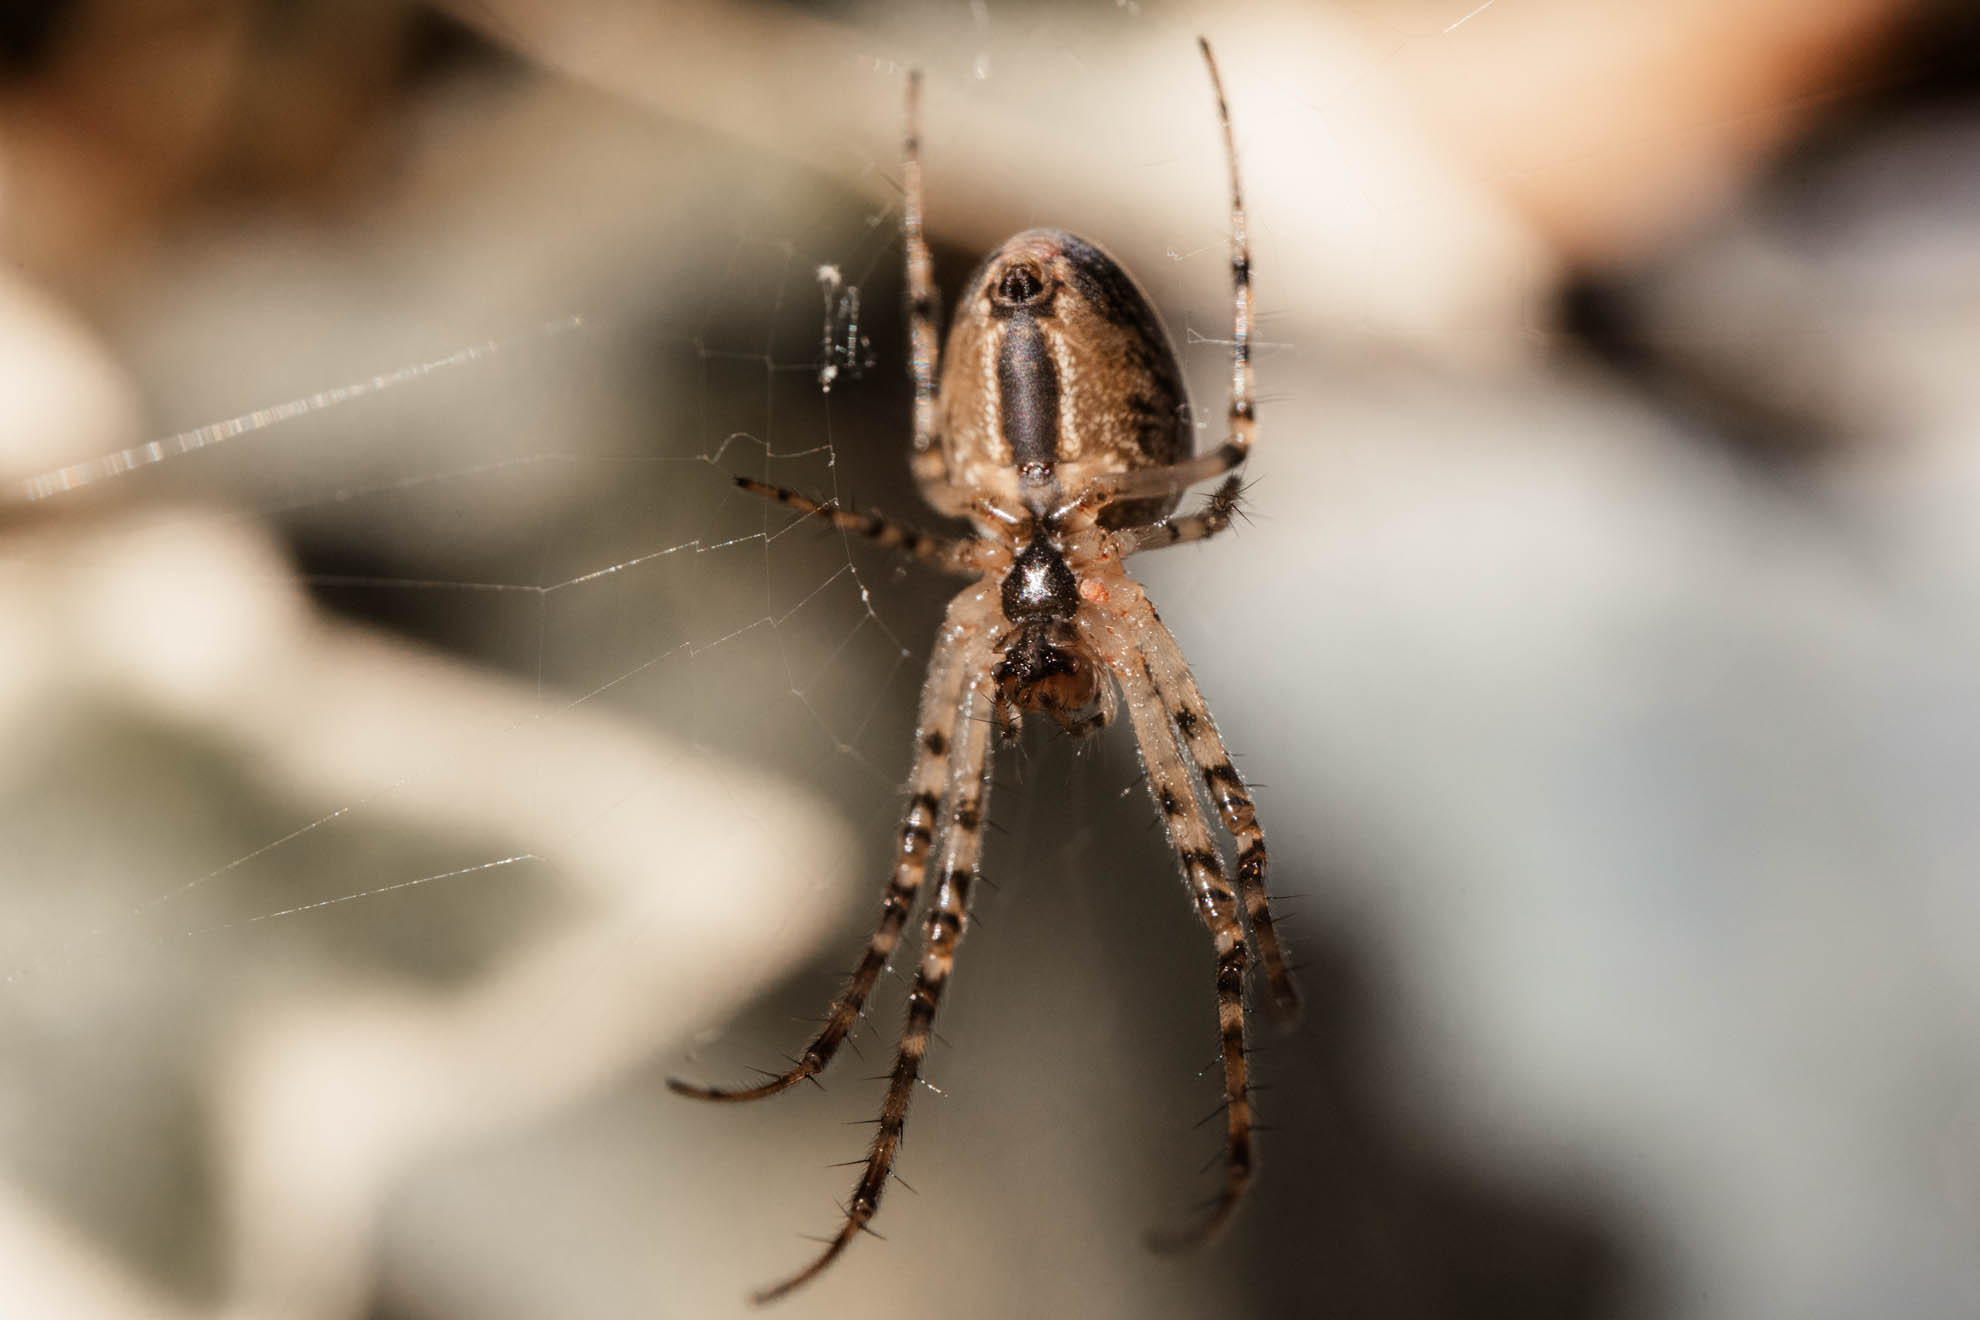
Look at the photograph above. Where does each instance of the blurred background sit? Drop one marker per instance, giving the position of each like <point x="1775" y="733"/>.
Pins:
<point x="412" y="750"/>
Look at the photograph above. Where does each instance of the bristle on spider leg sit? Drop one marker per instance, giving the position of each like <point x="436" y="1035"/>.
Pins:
<point x="1218" y="1112"/>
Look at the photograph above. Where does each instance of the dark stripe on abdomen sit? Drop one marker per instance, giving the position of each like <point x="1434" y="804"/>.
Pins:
<point x="1028" y="390"/>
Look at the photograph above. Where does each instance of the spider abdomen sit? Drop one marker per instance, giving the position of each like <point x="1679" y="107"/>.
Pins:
<point x="1057" y="370"/>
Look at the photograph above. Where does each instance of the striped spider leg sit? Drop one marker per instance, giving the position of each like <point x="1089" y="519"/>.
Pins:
<point x="1184" y="705"/>
<point x="1174" y="730"/>
<point x="937" y="748"/>
<point x="1055" y="420"/>
<point x="1170" y="783"/>
<point x="966" y="798"/>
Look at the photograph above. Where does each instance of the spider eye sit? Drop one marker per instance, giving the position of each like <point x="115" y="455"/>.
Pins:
<point x="1021" y="283"/>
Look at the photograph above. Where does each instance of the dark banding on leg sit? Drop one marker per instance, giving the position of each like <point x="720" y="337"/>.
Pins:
<point x="1216" y="905"/>
<point x="941" y="695"/>
<point x="968" y="794"/>
<point x="1177" y="688"/>
<point x="956" y="556"/>
<point x="1213" y="518"/>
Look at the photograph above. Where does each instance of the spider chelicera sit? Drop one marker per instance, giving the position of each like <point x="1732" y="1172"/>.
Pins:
<point x="1061" y="430"/>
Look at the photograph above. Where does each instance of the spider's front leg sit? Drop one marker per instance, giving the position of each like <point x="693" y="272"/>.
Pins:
<point x="969" y="796"/>
<point x="1174" y="731"/>
<point x="1216" y="906"/>
<point x="1176" y="686"/>
<point x="941" y="697"/>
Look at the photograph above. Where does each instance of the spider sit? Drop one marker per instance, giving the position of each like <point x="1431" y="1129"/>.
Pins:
<point x="1060" y="429"/>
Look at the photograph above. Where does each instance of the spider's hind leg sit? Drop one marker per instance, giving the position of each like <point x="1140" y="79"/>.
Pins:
<point x="1240" y="413"/>
<point x="930" y="467"/>
<point x="953" y="555"/>
<point x="1216" y="515"/>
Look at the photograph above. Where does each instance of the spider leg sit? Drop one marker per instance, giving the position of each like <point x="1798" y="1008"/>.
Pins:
<point x="1176" y="686"/>
<point x="951" y="554"/>
<point x="926" y="460"/>
<point x="1216" y="906"/>
<point x="1242" y="422"/>
<point x="1171" y="672"/>
<point x="1158" y="482"/>
<point x="1212" y="518"/>
<point x="968" y="794"/>
<point x="941" y="697"/>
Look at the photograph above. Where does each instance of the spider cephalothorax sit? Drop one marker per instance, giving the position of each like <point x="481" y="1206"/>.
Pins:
<point x="1042" y="664"/>
<point x="1060" y="430"/>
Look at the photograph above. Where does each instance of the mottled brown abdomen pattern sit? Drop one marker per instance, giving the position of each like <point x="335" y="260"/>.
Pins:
<point x="1051" y="332"/>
